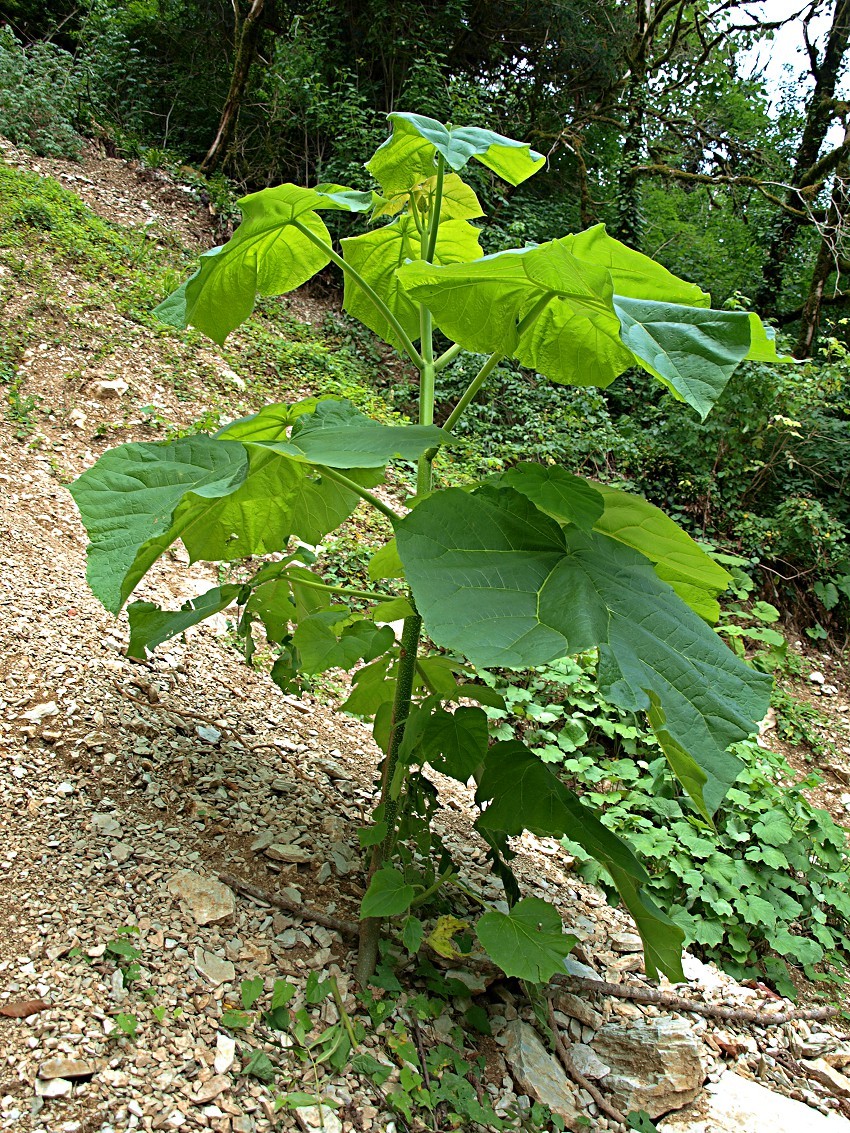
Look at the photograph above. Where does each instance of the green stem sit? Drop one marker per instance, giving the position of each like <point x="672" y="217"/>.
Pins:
<point x="343" y="1014"/>
<point x="469" y="892"/>
<point x="472" y="389"/>
<point x="447" y="876"/>
<point x="491" y="363"/>
<point x="401" y="333"/>
<point x="427" y="382"/>
<point x="343" y="591"/>
<point x="436" y="209"/>
<point x="370" y="927"/>
<point x="333" y="474"/>
<point x="448" y="356"/>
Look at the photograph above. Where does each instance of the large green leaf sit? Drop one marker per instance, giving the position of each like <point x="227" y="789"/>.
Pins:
<point x="334" y="433"/>
<point x="558" y="493"/>
<point x="633" y="275"/>
<point x="407" y="156"/>
<point x="458" y="201"/>
<point x="266" y="255"/>
<point x="150" y="626"/>
<point x="455" y="742"/>
<point x="763" y="343"/>
<point x="377" y="256"/>
<point x="662" y="937"/>
<point x="388" y="894"/>
<point x="223" y="502"/>
<point x="338" y="435"/>
<point x="323" y="643"/>
<point x="528" y="942"/>
<point x="693" y="574"/>
<point x="586" y="332"/>
<point x="575" y="337"/>
<point x="501" y="582"/>
<point x="691" y="350"/>
<point x="526" y="794"/>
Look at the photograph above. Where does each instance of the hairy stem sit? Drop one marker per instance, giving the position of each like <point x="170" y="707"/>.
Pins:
<point x="370" y="927"/>
<point x="491" y="363"/>
<point x="353" y="486"/>
<point x="436" y="209"/>
<point x="343" y="591"/>
<point x="345" y="267"/>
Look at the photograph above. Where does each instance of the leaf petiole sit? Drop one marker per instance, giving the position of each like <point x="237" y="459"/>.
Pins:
<point x="343" y="591"/>
<point x="353" y="486"/>
<point x="345" y="267"/>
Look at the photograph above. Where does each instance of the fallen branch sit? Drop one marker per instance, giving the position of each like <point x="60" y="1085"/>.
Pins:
<point x="566" y="1060"/>
<point x="674" y="1002"/>
<point x="281" y="901"/>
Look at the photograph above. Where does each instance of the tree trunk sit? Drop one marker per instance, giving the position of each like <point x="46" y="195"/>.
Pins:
<point x="819" y="116"/>
<point x="629" y="226"/>
<point x="828" y="258"/>
<point x="246" y="38"/>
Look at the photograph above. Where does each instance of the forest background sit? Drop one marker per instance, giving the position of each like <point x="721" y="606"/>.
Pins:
<point x="656" y="118"/>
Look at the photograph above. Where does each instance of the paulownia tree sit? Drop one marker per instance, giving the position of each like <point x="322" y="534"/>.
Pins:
<point x="512" y="571"/>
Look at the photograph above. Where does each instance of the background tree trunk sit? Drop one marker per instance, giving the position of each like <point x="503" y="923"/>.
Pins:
<point x="246" y="38"/>
<point x="819" y="116"/>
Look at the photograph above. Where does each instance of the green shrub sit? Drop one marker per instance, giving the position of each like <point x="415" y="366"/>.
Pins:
<point x="38" y="97"/>
<point x="766" y="888"/>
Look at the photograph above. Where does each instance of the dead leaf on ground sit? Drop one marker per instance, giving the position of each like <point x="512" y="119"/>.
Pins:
<point x="22" y="1008"/>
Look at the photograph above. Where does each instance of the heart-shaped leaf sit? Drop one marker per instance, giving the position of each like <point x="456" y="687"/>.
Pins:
<point x="528" y="942"/>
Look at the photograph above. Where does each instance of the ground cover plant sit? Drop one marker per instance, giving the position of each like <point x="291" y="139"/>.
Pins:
<point x="524" y="567"/>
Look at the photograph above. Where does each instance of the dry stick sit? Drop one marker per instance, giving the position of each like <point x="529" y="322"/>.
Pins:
<point x="577" y="1076"/>
<point x="679" y="1003"/>
<point x="281" y="901"/>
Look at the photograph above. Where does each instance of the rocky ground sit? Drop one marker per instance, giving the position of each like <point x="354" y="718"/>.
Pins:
<point x="129" y="788"/>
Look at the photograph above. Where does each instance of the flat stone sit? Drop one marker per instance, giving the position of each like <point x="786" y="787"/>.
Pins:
<point x="121" y="852"/>
<point x="67" y="1068"/>
<point x="537" y="1073"/>
<point x="655" y="1064"/>
<point x="734" y="1104"/>
<point x="41" y="711"/>
<point x="262" y="841"/>
<point x="106" y="825"/>
<point x="282" y="852"/>
<point x="109" y="391"/>
<point x="587" y="1062"/>
<point x="207" y="900"/>
<point x="211" y="1089"/>
<point x="312" y="1117"/>
<point x="578" y="1008"/>
<point x="626" y="942"/>
<point x="820" y="1071"/>
<point x="576" y="968"/>
<point x="225" y="1053"/>
<point x="54" y="1088"/>
<point x="216" y="970"/>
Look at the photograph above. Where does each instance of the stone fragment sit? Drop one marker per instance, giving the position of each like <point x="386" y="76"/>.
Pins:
<point x="40" y="712"/>
<point x="576" y="968"/>
<point x="587" y="1062"/>
<point x="109" y="390"/>
<point x="216" y="970"/>
<point x="816" y="678"/>
<point x="262" y="841"/>
<point x="67" y="1068"/>
<point x="820" y="1071"/>
<point x="54" y="1088"/>
<point x="283" y="852"/>
<point x="312" y="1117"/>
<point x="211" y="1089"/>
<point x="578" y="1008"/>
<point x="537" y="1073"/>
<point x="655" y="1064"/>
<point x="734" y="1104"/>
<point x="207" y="900"/>
<point x="626" y="942"/>
<point x="106" y="825"/>
<point x="121" y="852"/>
<point x="225" y="1053"/>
